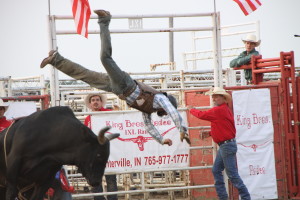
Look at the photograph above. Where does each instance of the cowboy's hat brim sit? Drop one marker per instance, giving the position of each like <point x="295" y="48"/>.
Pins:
<point x="257" y="43"/>
<point x="219" y="91"/>
<point x="102" y="96"/>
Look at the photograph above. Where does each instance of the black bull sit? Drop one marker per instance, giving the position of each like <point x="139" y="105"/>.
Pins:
<point x="35" y="147"/>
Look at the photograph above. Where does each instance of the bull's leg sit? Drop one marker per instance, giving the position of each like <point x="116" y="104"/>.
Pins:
<point x="11" y="192"/>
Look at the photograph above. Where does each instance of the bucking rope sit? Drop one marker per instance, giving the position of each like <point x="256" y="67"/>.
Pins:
<point x="5" y="156"/>
<point x="24" y="189"/>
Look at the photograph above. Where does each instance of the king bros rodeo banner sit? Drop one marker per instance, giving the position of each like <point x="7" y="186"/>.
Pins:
<point x="135" y="149"/>
<point x="255" y="133"/>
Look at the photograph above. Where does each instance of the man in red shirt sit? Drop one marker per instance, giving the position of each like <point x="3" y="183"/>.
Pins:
<point x="96" y="102"/>
<point x="4" y="123"/>
<point x="223" y="133"/>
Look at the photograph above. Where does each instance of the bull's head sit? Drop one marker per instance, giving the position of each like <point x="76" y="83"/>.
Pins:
<point x="96" y="159"/>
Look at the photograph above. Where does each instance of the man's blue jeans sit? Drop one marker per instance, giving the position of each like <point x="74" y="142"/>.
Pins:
<point x="226" y="159"/>
<point x="120" y="81"/>
<point x="111" y="181"/>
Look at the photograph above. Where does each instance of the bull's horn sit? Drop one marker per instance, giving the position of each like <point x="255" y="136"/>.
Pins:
<point x="112" y="136"/>
<point x="101" y="138"/>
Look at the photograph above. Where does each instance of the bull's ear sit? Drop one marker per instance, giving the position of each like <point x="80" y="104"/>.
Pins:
<point x="112" y="136"/>
<point x="101" y="138"/>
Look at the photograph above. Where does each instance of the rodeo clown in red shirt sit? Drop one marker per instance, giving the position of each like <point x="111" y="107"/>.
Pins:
<point x="96" y="102"/>
<point x="4" y="123"/>
<point x="223" y="133"/>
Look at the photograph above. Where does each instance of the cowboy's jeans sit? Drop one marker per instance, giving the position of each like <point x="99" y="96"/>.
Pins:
<point x="226" y="159"/>
<point x="120" y="80"/>
<point x="116" y="80"/>
<point x="94" y="79"/>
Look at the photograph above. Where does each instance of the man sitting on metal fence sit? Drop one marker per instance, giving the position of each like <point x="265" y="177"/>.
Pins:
<point x="136" y="94"/>
<point x="245" y="57"/>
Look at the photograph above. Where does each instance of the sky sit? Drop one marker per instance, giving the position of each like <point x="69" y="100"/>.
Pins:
<point x="25" y="34"/>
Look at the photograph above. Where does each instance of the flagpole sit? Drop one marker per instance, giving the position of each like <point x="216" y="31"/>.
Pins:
<point x="215" y="6"/>
<point x="54" y="85"/>
<point x="49" y="9"/>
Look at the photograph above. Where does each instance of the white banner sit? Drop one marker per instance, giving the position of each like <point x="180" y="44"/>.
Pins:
<point x="255" y="133"/>
<point x="135" y="149"/>
<point x="20" y="109"/>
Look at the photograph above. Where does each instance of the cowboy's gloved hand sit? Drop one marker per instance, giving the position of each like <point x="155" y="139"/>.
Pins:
<point x="184" y="135"/>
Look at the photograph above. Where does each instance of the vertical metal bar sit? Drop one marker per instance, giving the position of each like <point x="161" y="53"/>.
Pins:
<point x="42" y="84"/>
<point x="9" y="86"/>
<point x="296" y="121"/>
<point x="194" y="49"/>
<point x="258" y="32"/>
<point x="171" y="40"/>
<point x="2" y="89"/>
<point x="54" y="85"/>
<point x="286" y="109"/>
<point x="182" y="86"/>
<point x="143" y="184"/>
<point x="185" y="62"/>
<point x="218" y="75"/>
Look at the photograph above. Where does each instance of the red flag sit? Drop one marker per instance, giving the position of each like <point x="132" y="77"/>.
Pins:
<point x="248" y="6"/>
<point x="81" y="13"/>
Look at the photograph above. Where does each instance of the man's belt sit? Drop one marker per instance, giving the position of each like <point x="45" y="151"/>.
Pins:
<point x="226" y="141"/>
<point x="127" y="93"/>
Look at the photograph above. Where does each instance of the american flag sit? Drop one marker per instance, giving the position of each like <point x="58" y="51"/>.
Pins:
<point x="81" y="13"/>
<point x="248" y="6"/>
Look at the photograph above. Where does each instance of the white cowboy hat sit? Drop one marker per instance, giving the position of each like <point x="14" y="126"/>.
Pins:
<point x="88" y="97"/>
<point x="219" y="91"/>
<point x="252" y="38"/>
<point x="2" y="104"/>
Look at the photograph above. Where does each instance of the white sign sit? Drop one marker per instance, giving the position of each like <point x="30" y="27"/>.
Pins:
<point x="255" y="137"/>
<point x="135" y="149"/>
<point x="20" y="109"/>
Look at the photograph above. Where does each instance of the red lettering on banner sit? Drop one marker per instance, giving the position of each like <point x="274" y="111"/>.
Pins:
<point x="246" y="121"/>
<point x="242" y="121"/>
<point x="260" y="119"/>
<point x="162" y="122"/>
<point x="123" y="162"/>
<point x="256" y="170"/>
<point x="114" y="125"/>
<point x="141" y="131"/>
<point x="130" y="124"/>
<point x="149" y="160"/>
<point x="137" y="161"/>
<point x="129" y="132"/>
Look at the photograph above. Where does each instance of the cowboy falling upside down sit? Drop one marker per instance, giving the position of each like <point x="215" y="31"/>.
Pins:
<point x="136" y="94"/>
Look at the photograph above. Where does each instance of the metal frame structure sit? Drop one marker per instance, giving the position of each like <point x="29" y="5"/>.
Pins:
<point x="227" y="52"/>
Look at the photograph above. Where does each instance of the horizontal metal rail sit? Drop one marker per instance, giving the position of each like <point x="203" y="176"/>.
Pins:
<point x="144" y="30"/>
<point x="208" y="14"/>
<point x="76" y="196"/>
<point x="150" y="170"/>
